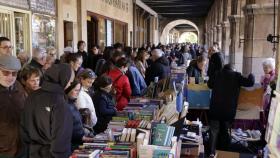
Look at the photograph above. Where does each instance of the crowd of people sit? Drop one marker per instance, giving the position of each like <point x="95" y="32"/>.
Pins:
<point x="50" y="105"/>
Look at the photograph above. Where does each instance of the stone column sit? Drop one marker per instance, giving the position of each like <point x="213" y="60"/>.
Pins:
<point x="225" y="40"/>
<point x="259" y="23"/>
<point x="235" y="48"/>
<point x="226" y="29"/>
<point x="236" y="20"/>
<point x="213" y="36"/>
<point x="219" y="34"/>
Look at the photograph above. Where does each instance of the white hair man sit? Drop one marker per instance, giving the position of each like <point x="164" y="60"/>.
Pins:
<point x="159" y="68"/>
<point x="39" y="58"/>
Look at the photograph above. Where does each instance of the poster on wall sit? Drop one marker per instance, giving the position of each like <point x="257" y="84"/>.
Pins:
<point x="43" y="6"/>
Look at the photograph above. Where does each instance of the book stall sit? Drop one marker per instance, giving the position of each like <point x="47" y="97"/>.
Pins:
<point x="154" y="126"/>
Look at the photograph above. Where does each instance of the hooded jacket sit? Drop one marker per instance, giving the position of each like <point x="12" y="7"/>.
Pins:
<point x="11" y="105"/>
<point x="225" y="85"/>
<point x="47" y="120"/>
<point x="159" y="68"/>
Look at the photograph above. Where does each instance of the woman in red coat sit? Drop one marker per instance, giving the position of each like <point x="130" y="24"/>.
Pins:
<point x="121" y="83"/>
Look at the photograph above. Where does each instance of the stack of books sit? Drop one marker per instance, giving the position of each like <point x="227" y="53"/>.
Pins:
<point x="191" y="136"/>
<point x="128" y="135"/>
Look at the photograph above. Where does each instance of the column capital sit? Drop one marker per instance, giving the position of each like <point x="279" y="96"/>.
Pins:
<point x="218" y="26"/>
<point x="225" y="24"/>
<point x="234" y="18"/>
<point x="257" y="9"/>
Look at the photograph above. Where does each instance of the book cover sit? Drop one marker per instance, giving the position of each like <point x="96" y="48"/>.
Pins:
<point x="160" y="134"/>
<point x="159" y="153"/>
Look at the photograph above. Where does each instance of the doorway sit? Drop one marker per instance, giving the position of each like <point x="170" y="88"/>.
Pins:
<point x="92" y="26"/>
<point x="68" y="34"/>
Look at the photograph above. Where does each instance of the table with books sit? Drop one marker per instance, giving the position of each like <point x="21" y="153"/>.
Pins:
<point x="154" y="126"/>
<point x="146" y="128"/>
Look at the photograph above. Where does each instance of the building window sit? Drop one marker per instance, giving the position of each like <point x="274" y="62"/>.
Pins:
<point x="43" y="29"/>
<point x="109" y="33"/>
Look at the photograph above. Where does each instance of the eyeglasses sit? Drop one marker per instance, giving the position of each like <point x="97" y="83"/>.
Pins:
<point x="8" y="73"/>
<point x="7" y="47"/>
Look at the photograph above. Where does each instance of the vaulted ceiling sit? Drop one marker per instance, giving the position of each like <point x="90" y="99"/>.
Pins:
<point x="191" y="9"/>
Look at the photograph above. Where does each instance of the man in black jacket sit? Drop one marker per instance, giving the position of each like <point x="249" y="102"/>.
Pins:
<point x="216" y="61"/>
<point x="159" y="68"/>
<point x="47" y="120"/>
<point x="225" y="85"/>
<point x="81" y="50"/>
<point x="39" y="58"/>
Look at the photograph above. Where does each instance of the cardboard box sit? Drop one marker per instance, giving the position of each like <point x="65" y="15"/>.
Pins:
<point x="226" y="154"/>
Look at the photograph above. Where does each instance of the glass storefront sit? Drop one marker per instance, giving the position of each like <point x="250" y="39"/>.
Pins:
<point x="43" y="31"/>
<point x="15" y="24"/>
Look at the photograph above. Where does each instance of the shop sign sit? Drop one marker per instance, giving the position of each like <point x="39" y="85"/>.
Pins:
<point x="120" y="4"/>
<point x="16" y="3"/>
<point x="43" y="6"/>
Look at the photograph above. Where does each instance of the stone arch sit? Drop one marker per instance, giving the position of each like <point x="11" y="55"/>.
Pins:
<point x="172" y="24"/>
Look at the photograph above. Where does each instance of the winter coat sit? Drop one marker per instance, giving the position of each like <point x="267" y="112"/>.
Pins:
<point x="78" y="131"/>
<point x="105" y="109"/>
<point x="37" y="65"/>
<point x="137" y="82"/>
<point x="160" y="68"/>
<point x="85" y="56"/>
<point x="194" y="71"/>
<point x="179" y="55"/>
<point x="92" y="60"/>
<point x="108" y="66"/>
<point x="225" y="85"/>
<point x="216" y="63"/>
<point x="47" y="120"/>
<point x="11" y="105"/>
<point x="122" y="86"/>
<point x="99" y="65"/>
<point x="84" y="101"/>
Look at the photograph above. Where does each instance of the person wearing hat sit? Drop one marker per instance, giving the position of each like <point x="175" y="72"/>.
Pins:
<point x="11" y="105"/>
<point x="159" y="68"/>
<point x="103" y="102"/>
<point x="87" y="77"/>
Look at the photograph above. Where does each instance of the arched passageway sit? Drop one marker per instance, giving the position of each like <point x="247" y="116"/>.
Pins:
<point x="188" y="37"/>
<point x="172" y="24"/>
